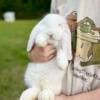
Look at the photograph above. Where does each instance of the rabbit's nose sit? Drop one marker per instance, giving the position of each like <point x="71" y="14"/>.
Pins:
<point x="51" y="36"/>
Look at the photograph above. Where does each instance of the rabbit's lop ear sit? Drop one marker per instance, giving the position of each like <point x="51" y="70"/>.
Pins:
<point x="66" y="42"/>
<point x="65" y="52"/>
<point x="31" y="40"/>
<point x="37" y="29"/>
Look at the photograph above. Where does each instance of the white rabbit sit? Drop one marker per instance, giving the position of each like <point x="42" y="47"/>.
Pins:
<point x="45" y="80"/>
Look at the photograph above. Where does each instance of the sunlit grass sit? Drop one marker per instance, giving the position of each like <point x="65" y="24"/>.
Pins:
<point x="13" y="57"/>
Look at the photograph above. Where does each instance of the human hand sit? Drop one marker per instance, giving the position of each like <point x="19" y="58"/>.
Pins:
<point x="40" y="54"/>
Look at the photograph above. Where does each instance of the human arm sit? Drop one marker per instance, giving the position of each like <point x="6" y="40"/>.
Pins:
<point x="91" y="95"/>
<point x="39" y="54"/>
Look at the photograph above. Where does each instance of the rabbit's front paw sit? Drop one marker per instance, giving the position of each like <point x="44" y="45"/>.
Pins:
<point x="41" y="40"/>
<point x="46" y="95"/>
<point x="30" y="94"/>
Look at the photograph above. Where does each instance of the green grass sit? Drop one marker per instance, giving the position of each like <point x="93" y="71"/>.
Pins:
<point x="13" y="57"/>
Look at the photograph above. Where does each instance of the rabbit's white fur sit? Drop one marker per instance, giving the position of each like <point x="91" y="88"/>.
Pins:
<point x="45" y="80"/>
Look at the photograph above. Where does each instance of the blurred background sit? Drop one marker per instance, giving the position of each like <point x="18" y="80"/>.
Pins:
<point x="25" y="9"/>
<point x="17" y="18"/>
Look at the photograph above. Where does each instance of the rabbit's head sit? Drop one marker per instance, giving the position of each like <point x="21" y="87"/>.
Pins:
<point x="53" y="30"/>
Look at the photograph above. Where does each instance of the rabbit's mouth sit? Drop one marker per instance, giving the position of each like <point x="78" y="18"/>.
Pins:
<point x="53" y="42"/>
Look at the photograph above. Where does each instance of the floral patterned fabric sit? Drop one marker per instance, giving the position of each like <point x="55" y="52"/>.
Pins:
<point x="84" y="74"/>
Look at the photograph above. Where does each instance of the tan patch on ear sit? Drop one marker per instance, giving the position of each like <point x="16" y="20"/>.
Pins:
<point x="72" y="16"/>
<point x="72" y="21"/>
